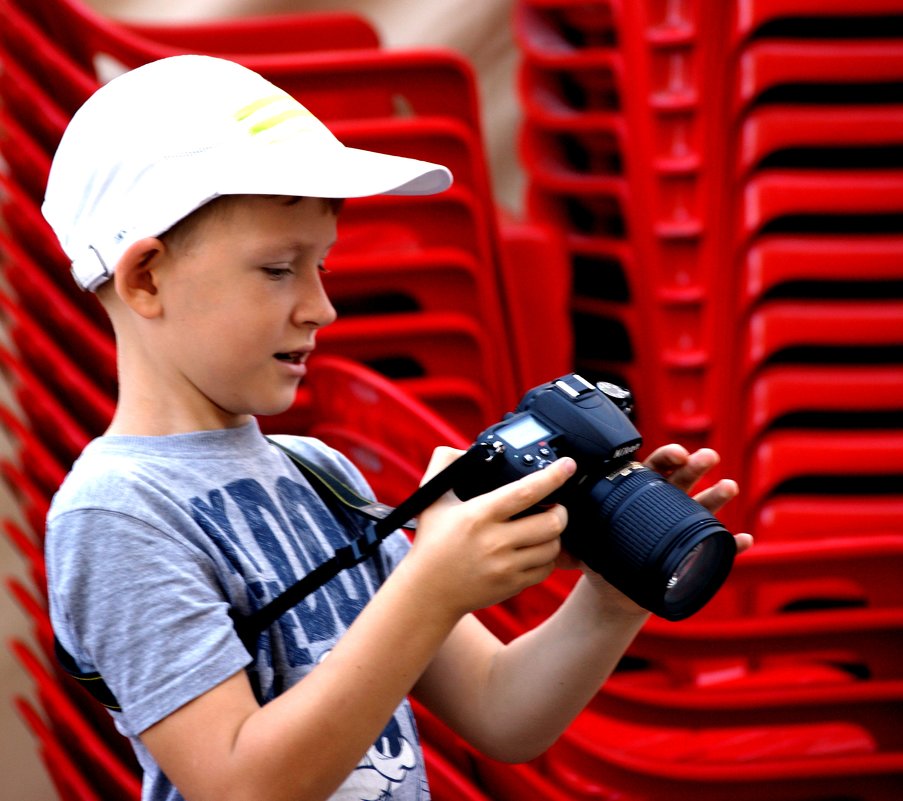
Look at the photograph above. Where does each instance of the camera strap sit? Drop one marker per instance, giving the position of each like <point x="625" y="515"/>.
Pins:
<point x="376" y="520"/>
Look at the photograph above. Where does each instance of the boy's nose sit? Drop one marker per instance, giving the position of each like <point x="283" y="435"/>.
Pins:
<point x="314" y="307"/>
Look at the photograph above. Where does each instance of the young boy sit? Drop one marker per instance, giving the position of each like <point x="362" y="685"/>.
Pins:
<point x="194" y="198"/>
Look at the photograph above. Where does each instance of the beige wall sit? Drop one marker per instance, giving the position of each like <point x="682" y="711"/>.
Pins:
<point x="481" y="31"/>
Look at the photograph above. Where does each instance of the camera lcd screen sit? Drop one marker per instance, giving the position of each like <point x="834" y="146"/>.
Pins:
<point x="524" y="432"/>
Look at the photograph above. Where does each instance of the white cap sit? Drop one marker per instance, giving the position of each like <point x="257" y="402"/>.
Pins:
<point x="156" y="143"/>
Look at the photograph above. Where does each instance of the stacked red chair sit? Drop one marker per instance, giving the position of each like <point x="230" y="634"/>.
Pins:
<point x="437" y="301"/>
<point x="734" y="169"/>
<point x="725" y="180"/>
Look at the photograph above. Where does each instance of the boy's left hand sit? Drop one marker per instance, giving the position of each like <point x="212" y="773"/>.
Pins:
<point x="684" y="470"/>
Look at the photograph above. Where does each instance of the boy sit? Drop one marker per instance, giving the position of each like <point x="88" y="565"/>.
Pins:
<point x="193" y="197"/>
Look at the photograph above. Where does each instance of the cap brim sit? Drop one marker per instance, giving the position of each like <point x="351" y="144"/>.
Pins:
<point x="336" y="172"/>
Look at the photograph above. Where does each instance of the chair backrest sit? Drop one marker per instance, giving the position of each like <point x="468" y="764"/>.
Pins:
<point x="388" y="433"/>
<point x="265" y="33"/>
<point x="775" y="130"/>
<point x="769" y="64"/>
<point x="637" y="764"/>
<point x="114" y="778"/>
<point x="818" y="263"/>
<point x="91" y="406"/>
<point x="67" y="777"/>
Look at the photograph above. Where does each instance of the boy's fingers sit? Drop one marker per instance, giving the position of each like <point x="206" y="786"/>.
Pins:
<point x="681" y="468"/>
<point x="522" y="494"/>
<point x="718" y="495"/>
<point x="667" y="458"/>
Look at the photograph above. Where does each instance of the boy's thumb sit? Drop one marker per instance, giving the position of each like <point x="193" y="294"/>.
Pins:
<point x="442" y="457"/>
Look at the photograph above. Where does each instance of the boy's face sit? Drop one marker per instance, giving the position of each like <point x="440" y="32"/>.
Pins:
<point x="242" y="300"/>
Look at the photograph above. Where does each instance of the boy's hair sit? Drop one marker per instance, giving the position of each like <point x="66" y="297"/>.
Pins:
<point x="181" y="235"/>
<point x="159" y="142"/>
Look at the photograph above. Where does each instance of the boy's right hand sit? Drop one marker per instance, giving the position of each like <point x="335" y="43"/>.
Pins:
<point x="473" y="554"/>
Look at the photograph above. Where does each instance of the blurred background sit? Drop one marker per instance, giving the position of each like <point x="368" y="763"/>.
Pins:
<point x="700" y="200"/>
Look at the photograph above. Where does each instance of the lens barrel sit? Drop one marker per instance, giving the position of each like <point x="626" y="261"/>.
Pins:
<point x="650" y="540"/>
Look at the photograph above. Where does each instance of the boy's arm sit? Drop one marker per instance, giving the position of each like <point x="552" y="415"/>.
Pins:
<point x="303" y="744"/>
<point x="512" y="702"/>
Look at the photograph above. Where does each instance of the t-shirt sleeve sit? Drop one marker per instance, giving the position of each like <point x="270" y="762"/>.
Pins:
<point x="145" y="610"/>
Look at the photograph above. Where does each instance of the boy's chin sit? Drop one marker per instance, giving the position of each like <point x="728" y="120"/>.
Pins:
<point x="278" y="406"/>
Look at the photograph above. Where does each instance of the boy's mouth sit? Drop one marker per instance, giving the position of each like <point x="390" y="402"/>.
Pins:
<point x="294" y="357"/>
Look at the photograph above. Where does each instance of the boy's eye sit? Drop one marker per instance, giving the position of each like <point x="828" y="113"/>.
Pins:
<point x="277" y="273"/>
<point x="323" y="268"/>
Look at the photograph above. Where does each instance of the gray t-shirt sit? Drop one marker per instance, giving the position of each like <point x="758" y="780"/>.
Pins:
<point x="151" y="541"/>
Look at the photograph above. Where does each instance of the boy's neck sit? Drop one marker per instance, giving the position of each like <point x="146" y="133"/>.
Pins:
<point x="158" y="423"/>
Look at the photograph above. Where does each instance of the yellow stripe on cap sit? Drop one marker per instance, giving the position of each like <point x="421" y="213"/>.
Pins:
<point x="272" y="122"/>
<point x="247" y="111"/>
<point x="268" y="112"/>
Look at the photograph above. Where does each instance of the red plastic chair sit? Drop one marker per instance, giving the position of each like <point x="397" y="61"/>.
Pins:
<point x="27" y="162"/>
<point x="33" y="554"/>
<point x="771" y="195"/>
<point x="55" y="313"/>
<point x="506" y="782"/>
<point x="781" y="457"/>
<point x="779" y="326"/>
<point x="49" y="65"/>
<point x="749" y="15"/>
<point x="344" y="391"/>
<point x="447" y="782"/>
<point x="811" y="517"/>
<point x="93" y="714"/>
<point x="816" y="262"/>
<point x="37" y="461"/>
<point x="767" y="64"/>
<point x="31" y="501"/>
<point x="67" y="777"/>
<point x="852" y="570"/>
<point x="806" y="394"/>
<point x="426" y="344"/>
<point x="387" y="433"/>
<point x="770" y="129"/>
<point x="427" y="279"/>
<point x="427" y="81"/>
<point x="588" y="768"/>
<point x="51" y="364"/>
<point x="391" y="477"/>
<point x="31" y="233"/>
<point x="52" y="423"/>
<point x="537" y="295"/>
<point x="754" y="703"/>
<point x="112" y="777"/>
<point x="28" y="103"/>
<point x="270" y="33"/>
<point x="571" y="23"/>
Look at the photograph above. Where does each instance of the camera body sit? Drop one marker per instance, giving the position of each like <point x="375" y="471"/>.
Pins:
<point x="646" y="537"/>
<point x="566" y="417"/>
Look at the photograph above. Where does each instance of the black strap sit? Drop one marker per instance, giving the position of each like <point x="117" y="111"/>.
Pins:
<point x="92" y="681"/>
<point x="386" y="520"/>
<point x="381" y="520"/>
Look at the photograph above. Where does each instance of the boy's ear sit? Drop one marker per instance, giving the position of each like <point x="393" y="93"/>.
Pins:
<point x="135" y="279"/>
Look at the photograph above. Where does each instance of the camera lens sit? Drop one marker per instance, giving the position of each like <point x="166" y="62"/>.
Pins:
<point x="650" y="540"/>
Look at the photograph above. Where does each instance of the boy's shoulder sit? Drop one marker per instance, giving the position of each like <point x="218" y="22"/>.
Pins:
<point x="114" y="472"/>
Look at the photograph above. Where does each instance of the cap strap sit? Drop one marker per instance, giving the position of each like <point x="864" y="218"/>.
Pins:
<point x="90" y="270"/>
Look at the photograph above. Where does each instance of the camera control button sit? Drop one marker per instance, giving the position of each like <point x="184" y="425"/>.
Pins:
<point x="545" y="452"/>
<point x="529" y="458"/>
<point x="542" y="464"/>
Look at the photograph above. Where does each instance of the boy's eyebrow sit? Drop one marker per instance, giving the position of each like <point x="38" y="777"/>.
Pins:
<point x="297" y="246"/>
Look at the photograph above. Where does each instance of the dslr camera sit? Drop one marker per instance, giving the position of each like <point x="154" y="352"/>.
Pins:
<point x="643" y="535"/>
